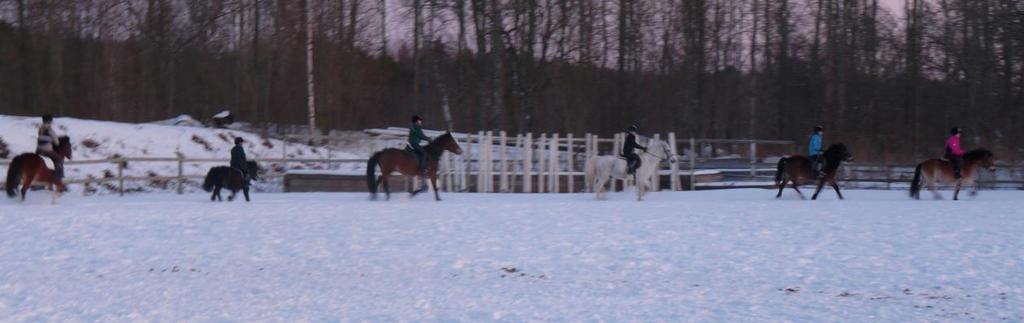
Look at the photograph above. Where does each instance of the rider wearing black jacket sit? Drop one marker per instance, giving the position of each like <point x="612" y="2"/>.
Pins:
<point x="629" y="150"/>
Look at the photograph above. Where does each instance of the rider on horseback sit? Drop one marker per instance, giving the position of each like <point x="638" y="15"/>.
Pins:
<point x="628" y="150"/>
<point x="238" y="157"/>
<point x="416" y="137"/>
<point x="47" y="144"/>
<point x="954" y="153"/>
<point x="814" y="150"/>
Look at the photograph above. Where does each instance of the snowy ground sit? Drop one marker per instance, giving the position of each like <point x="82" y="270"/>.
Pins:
<point x="733" y="255"/>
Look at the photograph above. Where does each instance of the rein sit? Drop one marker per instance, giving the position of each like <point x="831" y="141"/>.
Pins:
<point x="661" y="158"/>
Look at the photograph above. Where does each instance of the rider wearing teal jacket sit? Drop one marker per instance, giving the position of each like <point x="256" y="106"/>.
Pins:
<point x="814" y="149"/>
<point x="416" y="137"/>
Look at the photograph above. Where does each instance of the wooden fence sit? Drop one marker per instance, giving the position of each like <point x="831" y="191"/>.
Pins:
<point x="180" y="178"/>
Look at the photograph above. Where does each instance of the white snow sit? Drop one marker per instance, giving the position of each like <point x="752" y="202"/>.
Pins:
<point x="725" y="256"/>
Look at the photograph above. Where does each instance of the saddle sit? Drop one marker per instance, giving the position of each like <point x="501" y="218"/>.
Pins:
<point x="48" y="162"/>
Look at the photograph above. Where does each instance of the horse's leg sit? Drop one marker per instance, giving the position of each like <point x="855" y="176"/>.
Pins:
<point x="213" y="196"/>
<point x="231" y="198"/>
<point x="956" y="190"/>
<point x="599" y="184"/>
<point x="931" y="181"/>
<point x="796" y="187"/>
<point x="387" y="189"/>
<point x="216" y="191"/>
<point x="836" y="187"/>
<point x="821" y="184"/>
<point x="26" y="182"/>
<point x="433" y="184"/>
<point x="245" y="190"/>
<point x="53" y="192"/>
<point x="782" y="186"/>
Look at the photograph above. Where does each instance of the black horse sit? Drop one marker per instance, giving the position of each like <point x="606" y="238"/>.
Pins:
<point x="230" y="178"/>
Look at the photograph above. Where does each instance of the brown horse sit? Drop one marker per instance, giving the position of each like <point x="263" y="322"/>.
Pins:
<point x="405" y="162"/>
<point x="938" y="170"/>
<point x="30" y="167"/>
<point x="796" y="168"/>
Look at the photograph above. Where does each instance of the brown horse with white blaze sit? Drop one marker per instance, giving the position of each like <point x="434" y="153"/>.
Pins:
<point x="30" y="167"/>
<point x="797" y="168"/>
<point x="391" y="160"/>
<point x="936" y="170"/>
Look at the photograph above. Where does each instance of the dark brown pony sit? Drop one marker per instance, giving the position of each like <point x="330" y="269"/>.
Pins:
<point x="405" y="162"/>
<point x="797" y="168"/>
<point x="938" y="170"/>
<point x="30" y="167"/>
<point x="232" y="179"/>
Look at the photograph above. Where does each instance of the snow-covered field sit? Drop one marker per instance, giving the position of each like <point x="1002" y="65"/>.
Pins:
<point x="727" y="256"/>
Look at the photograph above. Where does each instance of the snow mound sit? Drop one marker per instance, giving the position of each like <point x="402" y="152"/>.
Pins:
<point x="100" y="140"/>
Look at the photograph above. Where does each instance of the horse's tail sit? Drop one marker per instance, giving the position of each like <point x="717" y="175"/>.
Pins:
<point x="211" y="180"/>
<point x="915" y="184"/>
<point x="781" y="170"/>
<point x="14" y="176"/>
<point x="371" y="173"/>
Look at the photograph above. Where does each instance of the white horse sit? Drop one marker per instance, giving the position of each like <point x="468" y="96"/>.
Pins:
<point x="599" y="169"/>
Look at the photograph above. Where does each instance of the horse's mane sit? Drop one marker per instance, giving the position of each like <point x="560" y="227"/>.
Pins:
<point x="834" y="147"/>
<point x="977" y="154"/>
<point x="435" y="147"/>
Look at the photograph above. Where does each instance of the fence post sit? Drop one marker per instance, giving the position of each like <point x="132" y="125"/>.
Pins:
<point x="284" y="153"/>
<point x="693" y="164"/>
<point x="555" y="164"/>
<point x="753" y="159"/>
<point x="674" y="181"/>
<point x="120" y="176"/>
<point x="490" y="162"/>
<point x="655" y="183"/>
<point x="181" y="173"/>
<point x="528" y="163"/>
<point x="570" y="165"/>
<point x="503" y="154"/>
<point x="542" y="164"/>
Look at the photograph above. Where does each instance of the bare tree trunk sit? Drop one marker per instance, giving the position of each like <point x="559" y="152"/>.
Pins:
<point x="310" y="85"/>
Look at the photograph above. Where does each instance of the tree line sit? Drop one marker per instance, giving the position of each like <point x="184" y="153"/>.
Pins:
<point x="888" y="82"/>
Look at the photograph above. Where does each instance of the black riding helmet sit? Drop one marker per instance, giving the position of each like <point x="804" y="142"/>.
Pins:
<point x="954" y="131"/>
<point x="416" y="118"/>
<point x="819" y="128"/>
<point x="239" y="140"/>
<point x="633" y="128"/>
<point x="47" y="118"/>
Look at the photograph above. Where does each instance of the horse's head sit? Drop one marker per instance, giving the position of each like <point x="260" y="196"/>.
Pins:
<point x="666" y="150"/>
<point x="253" y="169"/>
<point x="838" y="152"/>
<point x="447" y="142"/>
<point x="982" y="157"/>
<point x="64" y="146"/>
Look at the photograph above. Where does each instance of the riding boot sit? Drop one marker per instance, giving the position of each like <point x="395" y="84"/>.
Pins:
<point x="631" y="168"/>
<point x="58" y="172"/>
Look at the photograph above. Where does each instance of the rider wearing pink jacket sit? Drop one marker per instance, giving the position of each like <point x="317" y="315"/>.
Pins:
<point x="954" y="152"/>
